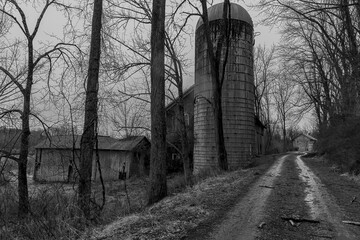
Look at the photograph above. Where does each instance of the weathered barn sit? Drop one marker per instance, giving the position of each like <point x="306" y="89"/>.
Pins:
<point x="57" y="158"/>
<point x="237" y="92"/>
<point x="304" y="143"/>
<point x="173" y="125"/>
<point x="173" y="136"/>
<point x="260" y="137"/>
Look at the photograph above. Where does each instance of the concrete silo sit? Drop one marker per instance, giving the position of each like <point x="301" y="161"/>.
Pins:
<point x="237" y="92"/>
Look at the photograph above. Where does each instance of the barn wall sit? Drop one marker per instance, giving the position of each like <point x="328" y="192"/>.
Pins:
<point x="111" y="164"/>
<point x="259" y="140"/>
<point x="303" y="143"/>
<point x="53" y="164"/>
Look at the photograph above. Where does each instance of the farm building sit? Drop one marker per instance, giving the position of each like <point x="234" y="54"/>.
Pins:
<point x="57" y="158"/>
<point x="173" y="126"/>
<point x="237" y="91"/>
<point x="173" y="135"/>
<point x="304" y="142"/>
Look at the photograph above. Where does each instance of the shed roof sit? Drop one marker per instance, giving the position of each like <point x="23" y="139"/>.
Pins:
<point x="307" y="136"/>
<point x="104" y="143"/>
<point x="215" y="12"/>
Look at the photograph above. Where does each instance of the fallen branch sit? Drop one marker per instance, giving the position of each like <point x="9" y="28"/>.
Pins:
<point x="261" y="225"/>
<point x="352" y="223"/>
<point x="322" y="236"/>
<point x="294" y="224"/>
<point x="300" y="219"/>
<point x="266" y="186"/>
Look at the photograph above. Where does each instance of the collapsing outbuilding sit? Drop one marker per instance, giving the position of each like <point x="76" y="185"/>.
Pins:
<point x="57" y="158"/>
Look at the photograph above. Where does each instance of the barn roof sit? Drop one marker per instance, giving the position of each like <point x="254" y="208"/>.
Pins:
<point x="307" y="136"/>
<point x="186" y="93"/>
<point x="215" y="12"/>
<point x="104" y="143"/>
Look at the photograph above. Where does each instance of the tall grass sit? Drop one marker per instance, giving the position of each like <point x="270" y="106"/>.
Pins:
<point x="53" y="215"/>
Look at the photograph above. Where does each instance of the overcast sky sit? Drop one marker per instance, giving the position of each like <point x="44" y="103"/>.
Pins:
<point x="54" y="20"/>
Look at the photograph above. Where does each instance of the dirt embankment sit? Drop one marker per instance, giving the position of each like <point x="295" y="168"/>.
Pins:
<point x="340" y="196"/>
<point x="191" y="214"/>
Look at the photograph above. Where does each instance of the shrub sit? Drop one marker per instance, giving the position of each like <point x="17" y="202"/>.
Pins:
<point x="341" y="144"/>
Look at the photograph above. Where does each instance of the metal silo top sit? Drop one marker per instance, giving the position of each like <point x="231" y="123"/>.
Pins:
<point x="215" y="12"/>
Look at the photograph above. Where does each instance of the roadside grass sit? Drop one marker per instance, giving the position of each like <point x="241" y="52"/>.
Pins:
<point x="179" y="215"/>
<point x="54" y="214"/>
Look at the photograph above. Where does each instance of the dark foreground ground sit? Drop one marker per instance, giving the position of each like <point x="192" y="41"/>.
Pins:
<point x="281" y="197"/>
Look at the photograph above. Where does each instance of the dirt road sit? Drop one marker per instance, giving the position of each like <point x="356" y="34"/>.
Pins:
<point x="290" y="201"/>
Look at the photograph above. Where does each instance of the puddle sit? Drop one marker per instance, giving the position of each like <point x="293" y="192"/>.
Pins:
<point x="243" y="220"/>
<point x="312" y="190"/>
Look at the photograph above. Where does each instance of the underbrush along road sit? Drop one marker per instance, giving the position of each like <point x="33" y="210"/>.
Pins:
<point x="288" y="202"/>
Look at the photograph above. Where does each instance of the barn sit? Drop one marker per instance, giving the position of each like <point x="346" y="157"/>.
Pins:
<point x="304" y="143"/>
<point x="57" y="158"/>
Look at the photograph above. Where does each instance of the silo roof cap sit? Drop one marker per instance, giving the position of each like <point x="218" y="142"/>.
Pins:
<point x="215" y="12"/>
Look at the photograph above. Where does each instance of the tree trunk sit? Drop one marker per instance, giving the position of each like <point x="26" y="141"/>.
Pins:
<point x="24" y="205"/>
<point x="284" y="133"/>
<point x="219" y="129"/>
<point x="88" y="136"/>
<point x="353" y="59"/>
<point x="158" y="187"/>
<point x="217" y="80"/>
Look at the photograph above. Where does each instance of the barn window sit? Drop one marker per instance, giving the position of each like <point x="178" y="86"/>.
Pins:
<point x="187" y="119"/>
<point x="175" y="156"/>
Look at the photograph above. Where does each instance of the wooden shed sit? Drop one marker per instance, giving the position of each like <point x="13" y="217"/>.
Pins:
<point x="57" y="158"/>
<point x="304" y="142"/>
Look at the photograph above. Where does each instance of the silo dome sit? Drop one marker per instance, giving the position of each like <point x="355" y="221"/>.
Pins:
<point x="215" y="12"/>
<point x="237" y="92"/>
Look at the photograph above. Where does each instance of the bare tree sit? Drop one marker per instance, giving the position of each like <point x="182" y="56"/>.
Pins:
<point x="158" y="187"/>
<point x="23" y="77"/>
<point x="331" y="34"/>
<point x="264" y="63"/>
<point x="175" y="63"/>
<point x="129" y="116"/>
<point x="88" y="137"/>
<point x="286" y="98"/>
<point x="218" y="54"/>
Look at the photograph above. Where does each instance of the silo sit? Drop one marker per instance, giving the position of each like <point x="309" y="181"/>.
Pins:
<point x="237" y="92"/>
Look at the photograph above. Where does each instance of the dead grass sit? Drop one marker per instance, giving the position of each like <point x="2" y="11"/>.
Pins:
<point x="352" y="176"/>
<point x="55" y="214"/>
<point x="178" y="215"/>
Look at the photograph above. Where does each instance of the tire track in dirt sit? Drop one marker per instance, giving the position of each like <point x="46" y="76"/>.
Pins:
<point x="322" y="206"/>
<point x="242" y="221"/>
